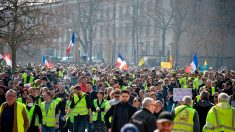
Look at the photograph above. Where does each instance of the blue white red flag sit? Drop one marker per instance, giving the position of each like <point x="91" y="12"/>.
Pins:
<point x="193" y="66"/>
<point x="121" y="63"/>
<point x="71" y="44"/>
<point x="46" y="63"/>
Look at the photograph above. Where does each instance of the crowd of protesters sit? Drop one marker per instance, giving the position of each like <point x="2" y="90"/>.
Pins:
<point x="101" y="98"/>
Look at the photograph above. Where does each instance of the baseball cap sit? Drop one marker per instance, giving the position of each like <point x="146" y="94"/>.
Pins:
<point x="165" y="117"/>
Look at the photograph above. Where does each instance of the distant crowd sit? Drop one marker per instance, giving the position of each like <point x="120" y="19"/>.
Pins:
<point x="99" y="98"/>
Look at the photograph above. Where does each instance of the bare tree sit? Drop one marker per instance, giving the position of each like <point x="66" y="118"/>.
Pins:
<point x="181" y="9"/>
<point x="84" y="22"/>
<point x="21" y="25"/>
<point x="162" y="17"/>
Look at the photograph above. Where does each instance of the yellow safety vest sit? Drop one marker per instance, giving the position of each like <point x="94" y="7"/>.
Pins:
<point x="20" y="100"/>
<point x="195" y="83"/>
<point x="30" y="115"/>
<point x="49" y="118"/>
<point x="80" y="105"/>
<point x="212" y="90"/>
<point x="70" y="114"/>
<point x="183" y="120"/>
<point x="25" y="79"/>
<point x="57" y="100"/>
<point x="183" y="82"/>
<point x="61" y="74"/>
<point x="198" y="97"/>
<point x="95" y="114"/>
<point x="220" y="120"/>
<point x="20" y="119"/>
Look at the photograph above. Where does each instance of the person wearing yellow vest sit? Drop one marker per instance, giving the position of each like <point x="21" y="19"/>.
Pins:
<point x="220" y="118"/>
<point x="27" y="77"/>
<point x="37" y="99"/>
<point x="185" y="117"/>
<point x="13" y="116"/>
<point x="24" y="94"/>
<point x="98" y="110"/>
<point x="50" y="113"/>
<point x="34" y="114"/>
<point x="210" y="88"/>
<point x="69" y="115"/>
<point x="81" y="107"/>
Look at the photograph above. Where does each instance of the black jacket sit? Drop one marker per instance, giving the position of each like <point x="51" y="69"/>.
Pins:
<point x="144" y="120"/>
<point x="121" y="114"/>
<point x="202" y="107"/>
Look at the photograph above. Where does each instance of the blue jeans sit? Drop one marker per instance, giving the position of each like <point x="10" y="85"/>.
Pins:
<point x="80" y="122"/>
<point x="47" y="129"/>
<point x="99" y="126"/>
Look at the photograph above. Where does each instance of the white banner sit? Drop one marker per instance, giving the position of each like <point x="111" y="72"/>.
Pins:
<point x="179" y="93"/>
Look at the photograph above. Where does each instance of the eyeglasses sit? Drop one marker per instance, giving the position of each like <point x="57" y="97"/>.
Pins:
<point x="135" y="101"/>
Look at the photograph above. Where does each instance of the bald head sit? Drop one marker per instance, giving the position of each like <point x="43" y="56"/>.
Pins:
<point x="223" y="97"/>
<point x="187" y="100"/>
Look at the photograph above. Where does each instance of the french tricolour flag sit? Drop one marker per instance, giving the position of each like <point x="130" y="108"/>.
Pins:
<point x="71" y="44"/>
<point x="46" y="63"/>
<point x="8" y="59"/>
<point x="193" y="66"/>
<point x="121" y="63"/>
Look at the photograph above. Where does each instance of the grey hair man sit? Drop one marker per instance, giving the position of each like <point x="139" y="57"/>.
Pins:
<point x="144" y="118"/>
<point x="221" y="117"/>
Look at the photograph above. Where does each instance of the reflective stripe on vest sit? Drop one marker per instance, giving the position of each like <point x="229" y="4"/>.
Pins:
<point x="49" y="118"/>
<point x="95" y="114"/>
<point x="81" y="106"/>
<point x="222" y="126"/>
<point x="184" y="118"/>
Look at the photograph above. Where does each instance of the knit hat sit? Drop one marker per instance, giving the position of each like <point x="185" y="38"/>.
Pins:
<point x="129" y="128"/>
<point x="165" y="117"/>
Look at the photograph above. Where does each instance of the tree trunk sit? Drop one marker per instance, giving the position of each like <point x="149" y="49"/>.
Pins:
<point x="177" y="49"/>
<point x="163" y="42"/>
<point x="13" y="57"/>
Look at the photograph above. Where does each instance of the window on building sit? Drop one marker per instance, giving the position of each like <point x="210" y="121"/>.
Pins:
<point x="120" y="30"/>
<point x="120" y="11"/>
<point x="107" y="32"/>
<point x="198" y="5"/>
<point x="101" y="32"/>
<point x="222" y="6"/>
<point x="155" y="47"/>
<point x="147" y="48"/>
<point x="127" y="29"/>
<point x="147" y="30"/>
